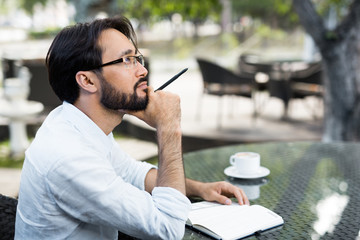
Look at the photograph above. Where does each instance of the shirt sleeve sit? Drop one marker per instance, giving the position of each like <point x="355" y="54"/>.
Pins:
<point x="88" y="188"/>
<point x="130" y="170"/>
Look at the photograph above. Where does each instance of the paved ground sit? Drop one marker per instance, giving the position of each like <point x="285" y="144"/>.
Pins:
<point x="9" y="181"/>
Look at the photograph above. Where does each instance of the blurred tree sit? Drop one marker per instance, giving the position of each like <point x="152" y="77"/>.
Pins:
<point x="88" y="9"/>
<point x="28" y="5"/>
<point x="195" y="9"/>
<point x="146" y="11"/>
<point x="275" y="13"/>
<point x="339" y="46"/>
<point x="4" y="6"/>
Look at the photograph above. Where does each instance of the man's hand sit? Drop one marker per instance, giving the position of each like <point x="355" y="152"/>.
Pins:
<point x="163" y="110"/>
<point x="216" y="191"/>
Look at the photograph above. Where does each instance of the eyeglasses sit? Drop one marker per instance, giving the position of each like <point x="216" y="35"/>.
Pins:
<point x="129" y="61"/>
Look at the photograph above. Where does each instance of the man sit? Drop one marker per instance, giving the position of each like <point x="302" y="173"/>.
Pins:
<point x="76" y="181"/>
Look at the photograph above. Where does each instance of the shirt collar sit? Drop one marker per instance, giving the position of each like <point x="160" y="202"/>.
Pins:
<point x="87" y="127"/>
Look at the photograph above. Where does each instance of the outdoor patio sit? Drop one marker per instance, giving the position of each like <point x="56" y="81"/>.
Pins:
<point x="238" y="125"/>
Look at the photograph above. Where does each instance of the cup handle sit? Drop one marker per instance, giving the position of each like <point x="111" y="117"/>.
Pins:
<point x="232" y="160"/>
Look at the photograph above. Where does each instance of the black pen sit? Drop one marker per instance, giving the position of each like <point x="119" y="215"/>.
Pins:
<point x="171" y="79"/>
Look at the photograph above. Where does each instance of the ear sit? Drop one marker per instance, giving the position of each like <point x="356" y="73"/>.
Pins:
<point x="86" y="81"/>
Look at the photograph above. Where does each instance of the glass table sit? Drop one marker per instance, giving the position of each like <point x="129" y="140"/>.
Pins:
<point x="314" y="186"/>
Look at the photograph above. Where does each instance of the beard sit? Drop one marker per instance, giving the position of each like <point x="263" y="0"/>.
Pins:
<point x="116" y="100"/>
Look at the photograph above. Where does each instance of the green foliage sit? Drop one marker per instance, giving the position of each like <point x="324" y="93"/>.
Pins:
<point x="145" y="10"/>
<point x="28" y="5"/>
<point x="47" y="33"/>
<point x="3" y="6"/>
<point x="278" y="12"/>
<point x="331" y="35"/>
<point x="7" y="161"/>
<point x="254" y="8"/>
<point x="324" y="6"/>
<point x="265" y="31"/>
<point x="283" y="7"/>
<point x="153" y="161"/>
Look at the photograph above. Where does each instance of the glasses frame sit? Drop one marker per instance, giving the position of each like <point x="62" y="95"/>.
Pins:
<point x="139" y="58"/>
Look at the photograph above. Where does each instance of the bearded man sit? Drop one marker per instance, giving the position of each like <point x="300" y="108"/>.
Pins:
<point x="77" y="182"/>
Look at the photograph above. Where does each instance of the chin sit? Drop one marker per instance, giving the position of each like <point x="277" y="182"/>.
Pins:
<point x="141" y="92"/>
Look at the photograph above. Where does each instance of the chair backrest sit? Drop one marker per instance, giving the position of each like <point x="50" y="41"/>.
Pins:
<point x="7" y="217"/>
<point x="252" y="64"/>
<point x="312" y="74"/>
<point x="308" y="81"/>
<point x="213" y="73"/>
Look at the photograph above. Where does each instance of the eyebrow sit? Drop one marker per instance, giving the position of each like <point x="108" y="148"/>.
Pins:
<point x="126" y="52"/>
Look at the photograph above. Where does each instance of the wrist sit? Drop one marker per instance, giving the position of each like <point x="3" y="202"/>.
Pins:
<point x="173" y="130"/>
<point x="194" y="188"/>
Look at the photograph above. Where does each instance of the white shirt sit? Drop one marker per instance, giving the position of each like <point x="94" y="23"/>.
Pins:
<point x="77" y="183"/>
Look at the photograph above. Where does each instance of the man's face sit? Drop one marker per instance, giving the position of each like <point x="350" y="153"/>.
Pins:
<point x="122" y="86"/>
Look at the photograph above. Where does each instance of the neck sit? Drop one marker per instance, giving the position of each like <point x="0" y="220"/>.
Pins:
<point x="104" y="118"/>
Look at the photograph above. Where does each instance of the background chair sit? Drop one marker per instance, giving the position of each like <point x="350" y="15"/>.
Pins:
<point x="7" y="217"/>
<point x="253" y="65"/>
<point x="307" y="82"/>
<point x="219" y="81"/>
<point x="288" y="84"/>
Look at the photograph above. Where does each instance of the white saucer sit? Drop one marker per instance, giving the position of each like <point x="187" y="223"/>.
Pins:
<point x="232" y="172"/>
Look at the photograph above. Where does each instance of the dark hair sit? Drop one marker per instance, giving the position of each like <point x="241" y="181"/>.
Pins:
<point x="76" y="48"/>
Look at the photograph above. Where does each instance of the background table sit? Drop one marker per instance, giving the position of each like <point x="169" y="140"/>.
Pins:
<point x="314" y="186"/>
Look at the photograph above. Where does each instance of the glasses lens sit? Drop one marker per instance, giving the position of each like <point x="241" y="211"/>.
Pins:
<point x="140" y="59"/>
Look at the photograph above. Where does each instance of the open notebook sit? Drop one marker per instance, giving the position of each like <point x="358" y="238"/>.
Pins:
<point x="231" y="221"/>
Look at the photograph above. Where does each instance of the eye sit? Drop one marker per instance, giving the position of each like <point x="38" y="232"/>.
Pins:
<point x="127" y="60"/>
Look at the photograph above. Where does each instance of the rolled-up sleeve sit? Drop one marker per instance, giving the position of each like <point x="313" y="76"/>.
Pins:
<point x="128" y="168"/>
<point x="174" y="204"/>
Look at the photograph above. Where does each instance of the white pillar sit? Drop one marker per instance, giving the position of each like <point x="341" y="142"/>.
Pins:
<point x="18" y="137"/>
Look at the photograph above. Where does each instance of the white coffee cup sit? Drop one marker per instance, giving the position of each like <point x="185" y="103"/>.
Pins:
<point x="246" y="162"/>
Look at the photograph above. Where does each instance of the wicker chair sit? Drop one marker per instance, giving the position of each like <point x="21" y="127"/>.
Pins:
<point x="220" y="82"/>
<point x="7" y="217"/>
<point x="300" y="84"/>
<point x="307" y="82"/>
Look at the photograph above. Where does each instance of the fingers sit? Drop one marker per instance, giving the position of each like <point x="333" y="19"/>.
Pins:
<point x="222" y="191"/>
<point x="229" y="190"/>
<point x="163" y="109"/>
<point x="232" y="191"/>
<point x="223" y="200"/>
<point x="241" y="197"/>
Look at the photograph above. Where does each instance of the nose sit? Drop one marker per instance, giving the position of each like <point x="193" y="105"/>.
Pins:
<point x="141" y="71"/>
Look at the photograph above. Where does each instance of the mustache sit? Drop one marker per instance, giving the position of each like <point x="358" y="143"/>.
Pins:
<point x="139" y="82"/>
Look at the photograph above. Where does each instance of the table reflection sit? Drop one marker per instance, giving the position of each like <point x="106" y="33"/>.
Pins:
<point x="251" y="187"/>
